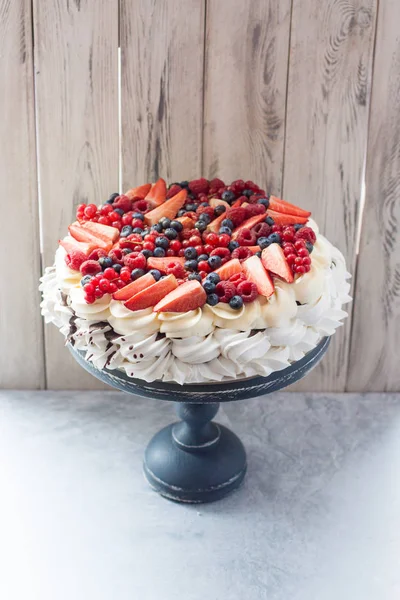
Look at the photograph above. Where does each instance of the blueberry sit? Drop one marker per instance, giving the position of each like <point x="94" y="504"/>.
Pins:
<point x="105" y="261"/>
<point x="159" y="252"/>
<point x="195" y="276"/>
<point x="138" y="215"/>
<point x="226" y="230"/>
<point x="219" y="210"/>
<point x="236" y="302"/>
<point x="112" y="198"/>
<point x="137" y="230"/>
<point x="191" y="207"/>
<point x="205" y="218"/>
<point x="204" y="204"/>
<point x="309" y="247"/>
<point x="209" y="286"/>
<point x="228" y="196"/>
<point x="298" y="226"/>
<point x="162" y="242"/>
<point x="117" y="267"/>
<point x="119" y="211"/>
<point x="177" y="225"/>
<point x="247" y="193"/>
<point x="156" y="274"/>
<point x="274" y="238"/>
<point x="258" y="254"/>
<point x="200" y="225"/>
<point x="212" y="299"/>
<point x="203" y="257"/>
<point x="157" y="227"/>
<point x="227" y="223"/>
<point x="190" y="252"/>
<point x="191" y="265"/>
<point x="233" y="245"/>
<point x="269" y="221"/>
<point x="263" y="242"/>
<point x="171" y="233"/>
<point x="85" y="280"/>
<point x="215" y="262"/>
<point x="127" y="251"/>
<point x="184" y="184"/>
<point x="181" y="212"/>
<point x="126" y="230"/>
<point x="136" y="273"/>
<point x="263" y="201"/>
<point x="214" y="277"/>
<point x="165" y="222"/>
<point x="147" y="253"/>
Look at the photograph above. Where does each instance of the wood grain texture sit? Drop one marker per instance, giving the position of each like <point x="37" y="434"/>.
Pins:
<point x="76" y="58"/>
<point x="247" y="48"/>
<point x="162" y="46"/>
<point x="374" y="358"/>
<point x="20" y="322"/>
<point x="326" y="135"/>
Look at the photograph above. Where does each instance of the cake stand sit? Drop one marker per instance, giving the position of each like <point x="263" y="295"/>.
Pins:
<point x="197" y="460"/>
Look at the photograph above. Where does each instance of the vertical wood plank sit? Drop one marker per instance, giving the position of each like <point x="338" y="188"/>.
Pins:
<point x="326" y="135"/>
<point x="247" y="48"/>
<point x="162" y="46"/>
<point x="76" y="57"/>
<point x="374" y="358"/>
<point x="20" y="322"/>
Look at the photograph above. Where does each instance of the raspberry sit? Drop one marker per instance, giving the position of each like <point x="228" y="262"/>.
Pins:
<point x="246" y="237"/>
<point x="191" y="214"/>
<point x="176" y="269"/>
<point x="237" y="278"/>
<point x="122" y="202"/>
<point x="187" y="233"/>
<point x="247" y="290"/>
<point x="173" y="190"/>
<point x="135" y="260"/>
<point x="96" y="254"/>
<point x="208" y="210"/>
<point x="306" y="234"/>
<point x="90" y="267"/>
<point x="225" y="290"/>
<point x="242" y="253"/>
<point x="236" y="215"/>
<point x="250" y="185"/>
<point x="254" y="209"/>
<point x="215" y="185"/>
<point x="74" y="259"/>
<point x="90" y="211"/>
<point x="140" y="206"/>
<point x="237" y="186"/>
<point x="117" y="256"/>
<point x="199" y="186"/>
<point x="261" y="230"/>
<point x="224" y="253"/>
<point x="254" y="198"/>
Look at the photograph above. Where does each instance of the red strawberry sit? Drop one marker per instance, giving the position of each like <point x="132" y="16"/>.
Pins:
<point x="135" y="287"/>
<point x="188" y="296"/>
<point x="256" y="273"/>
<point x="248" y="224"/>
<point x="274" y="260"/>
<point x="163" y="263"/>
<point x="168" y="209"/>
<point x="253" y="249"/>
<point x="138" y="193"/>
<point x="151" y="295"/>
<point x="103" y="232"/>
<point x="230" y="268"/>
<point x="187" y="222"/>
<point x="285" y="219"/>
<point x="70" y="245"/>
<point x="215" y="225"/>
<point x="285" y="207"/>
<point x="84" y="235"/>
<point x="74" y="259"/>
<point x="157" y="193"/>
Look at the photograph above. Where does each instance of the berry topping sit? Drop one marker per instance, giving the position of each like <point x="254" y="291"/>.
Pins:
<point x="74" y="259"/>
<point x="236" y="215"/>
<point x="236" y="302"/>
<point x="306" y="234"/>
<point x="212" y="299"/>
<point x="242" y="253"/>
<point x="247" y="290"/>
<point x="246" y="237"/>
<point x="225" y="290"/>
<point x="90" y="267"/>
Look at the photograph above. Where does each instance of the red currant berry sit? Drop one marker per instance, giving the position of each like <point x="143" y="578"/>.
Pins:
<point x="90" y="211"/>
<point x="90" y="298"/>
<point x="125" y="275"/>
<point x="98" y="293"/>
<point x="208" y="248"/>
<point x="306" y="261"/>
<point x="181" y="252"/>
<point x="150" y="246"/>
<point x="195" y="240"/>
<point x="302" y="252"/>
<point x="276" y="228"/>
<point x="137" y="223"/>
<point x="137" y="248"/>
<point x="80" y="208"/>
<point x="212" y="239"/>
<point x="120" y="283"/>
<point x="174" y="245"/>
<point x="104" y="285"/>
<point x="89" y="288"/>
<point x="127" y="218"/>
<point x="288" y="234"/>
<point x="117" y="225"/>
<point x="170" y="252"/>
<point x="199" y="249"/>
<point x="150" y="237"/>
<point x="290" y="258"/>
<point x="113" y="287"/>
<point x="114" y="216"/>
<point x="109" y="273"/>
<point x="106" y="209"/>
<point x="224" y="239"/>
<point x="299" y="244"/>
<point x="204" y="266"/>
<point x="300" y="269"/>
<point x="104" y="220"/>
<point x="186" y="244"/>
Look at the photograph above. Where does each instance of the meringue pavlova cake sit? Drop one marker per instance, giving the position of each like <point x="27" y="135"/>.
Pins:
<point x="196" y="282"/>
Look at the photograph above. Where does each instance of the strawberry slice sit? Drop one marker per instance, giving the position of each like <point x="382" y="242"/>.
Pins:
<point x="255" y="272"/>
<point x="254" y="249"/>
<point x="70" y="245"/>
<point x="162" y="263"/>
<point x="188" y="296"/>
<point x="285" y="219"/>
<point x="168" y="209"/>
<point x="135" y="287"/>
<point x="84" y="235"/>
<point x="151" y="295"/>
<point x="274" y="260"/>
<point x="282" y="206"/>
<point x="157" y="193"/>
<point x="215" y="225"/>
<point x="248" y="224"/>
<point x="187" y="222"/>
<point x="229" y="268"/>
<point x="103" y="232"/>
<point x="214" y="202"/>
<point x="138" y="193"/>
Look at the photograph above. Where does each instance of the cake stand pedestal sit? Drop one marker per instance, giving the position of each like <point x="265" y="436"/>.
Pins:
<point x="197" y="460"/>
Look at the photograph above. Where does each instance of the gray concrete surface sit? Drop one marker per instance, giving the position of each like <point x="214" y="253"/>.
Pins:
<point x="317" y="519"/>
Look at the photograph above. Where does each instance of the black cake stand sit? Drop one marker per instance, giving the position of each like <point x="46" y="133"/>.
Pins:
<point x="197" y="460"/>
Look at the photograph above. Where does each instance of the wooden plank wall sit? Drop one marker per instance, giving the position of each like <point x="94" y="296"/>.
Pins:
<point x="294" y="94"/>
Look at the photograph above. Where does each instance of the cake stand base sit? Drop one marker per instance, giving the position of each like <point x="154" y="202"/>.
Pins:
<point x="195" y="460"/>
